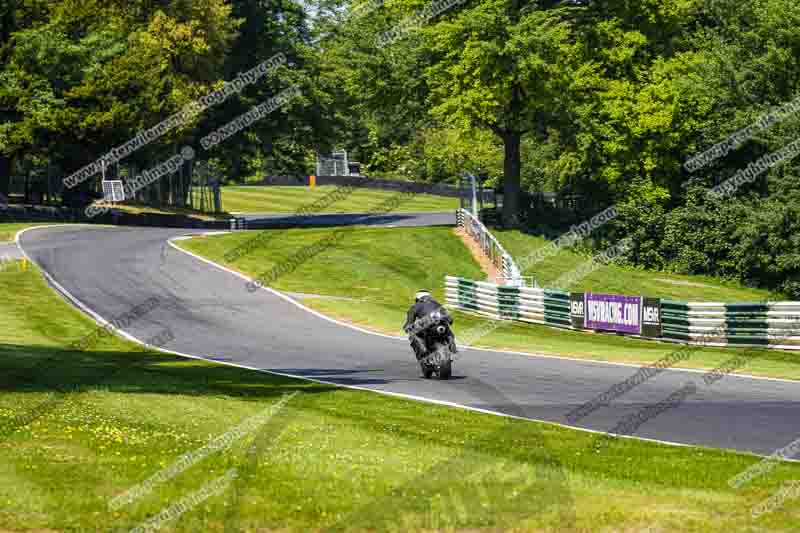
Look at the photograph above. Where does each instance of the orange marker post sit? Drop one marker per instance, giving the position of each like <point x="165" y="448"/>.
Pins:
<point x="312" y="181"/>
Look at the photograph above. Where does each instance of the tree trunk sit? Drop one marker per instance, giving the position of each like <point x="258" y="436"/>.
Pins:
<point x="511" y="178"/>
<point x="236" y="166"/>
<point x="5" y="175"/>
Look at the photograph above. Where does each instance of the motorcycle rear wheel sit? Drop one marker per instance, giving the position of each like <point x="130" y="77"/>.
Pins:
<point x="446" y="370"/>
<point x="444" y="366"/>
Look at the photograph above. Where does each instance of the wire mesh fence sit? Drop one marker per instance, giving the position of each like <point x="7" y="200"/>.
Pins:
<point x="195" y="186"/>
<point x="336" y="164"/>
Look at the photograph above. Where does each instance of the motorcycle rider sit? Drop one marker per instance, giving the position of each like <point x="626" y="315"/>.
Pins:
<point x="424" y="304"/>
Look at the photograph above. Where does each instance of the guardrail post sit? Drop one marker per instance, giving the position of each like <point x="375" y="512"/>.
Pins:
<point x="490" y="247"/>
<point x="238" y="223"/>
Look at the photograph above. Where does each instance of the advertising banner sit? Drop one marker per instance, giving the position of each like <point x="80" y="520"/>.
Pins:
<point x="576" y="306"/>
<point x="612" y="312"/>
<point x="651" y="317"/>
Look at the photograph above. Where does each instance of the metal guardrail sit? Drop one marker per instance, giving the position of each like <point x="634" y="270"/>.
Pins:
<point x="527" y="281"/>
<point x="524" y="304"/>
<point x="773" y="325"/>
<point x="491" y="248"/>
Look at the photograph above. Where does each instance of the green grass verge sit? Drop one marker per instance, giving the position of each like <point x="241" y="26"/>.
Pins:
<point x="8" y="230"/>
<point x="78" y="428"/>
<point x="619" y="280"/>
<point x="269" y="199"/>
<point x="378" y="270"/>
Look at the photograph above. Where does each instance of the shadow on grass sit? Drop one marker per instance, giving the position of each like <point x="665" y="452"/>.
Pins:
<point x="343" y="376"/>
<point x="59" y="372"/>
<point x="46" y="369"/>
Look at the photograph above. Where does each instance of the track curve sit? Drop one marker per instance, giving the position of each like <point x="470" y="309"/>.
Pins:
<point x="407" y="220"/>
<point x="212" y="315"/>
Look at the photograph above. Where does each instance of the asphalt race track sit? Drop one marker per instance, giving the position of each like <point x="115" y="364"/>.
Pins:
<point x="256" y="221"/>
<point x="211" y="314"/>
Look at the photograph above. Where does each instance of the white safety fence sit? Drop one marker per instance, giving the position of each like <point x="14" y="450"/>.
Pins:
<point x="774" y="325"/>
<point x="503" y="302"/>
<point x="491" y="248"/>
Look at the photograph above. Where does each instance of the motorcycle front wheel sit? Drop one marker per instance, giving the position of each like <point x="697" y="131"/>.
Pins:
<point x="427" y="370"/>
<point x="446" y="370"/>
<point x="444" y="366"/>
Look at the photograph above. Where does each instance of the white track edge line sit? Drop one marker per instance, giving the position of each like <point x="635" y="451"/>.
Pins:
<point x="284" y="296"/>
<point x="511" y="352"/>
<point x="128" y="336"/>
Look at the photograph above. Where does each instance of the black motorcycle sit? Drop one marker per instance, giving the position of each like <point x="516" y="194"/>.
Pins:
<point x="439" y="346"/>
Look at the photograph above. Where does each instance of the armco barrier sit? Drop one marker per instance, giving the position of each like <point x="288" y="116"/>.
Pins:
<point x="775" y="324"/>
<point x="490" y="246"/>
<point x="769" y="324"/>
<point x="525" y="304"/>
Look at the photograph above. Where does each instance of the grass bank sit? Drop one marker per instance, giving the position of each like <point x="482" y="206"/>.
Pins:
<point x="79" y="428"/>
<point x="8" y="230"/>
<point x="280" y="199"/>
<point x="621" y="280"/>
<point x="374" y="272"/>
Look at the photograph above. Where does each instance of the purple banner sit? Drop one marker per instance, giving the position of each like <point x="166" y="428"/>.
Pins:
<point x="612" y="312"/>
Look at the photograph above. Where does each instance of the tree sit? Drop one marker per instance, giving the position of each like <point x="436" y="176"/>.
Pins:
<point x="377" y="93"/>
<point x="84" y="77"/>
<point x="268" y="28"/>
<point x="503" y="65"/>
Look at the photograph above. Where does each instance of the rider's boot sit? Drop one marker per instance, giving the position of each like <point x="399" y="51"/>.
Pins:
<point x="453" y="347"/>
<point x="419" y="349"/>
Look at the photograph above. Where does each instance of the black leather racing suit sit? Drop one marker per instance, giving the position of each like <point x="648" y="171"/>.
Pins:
<point x="418" y="311"/>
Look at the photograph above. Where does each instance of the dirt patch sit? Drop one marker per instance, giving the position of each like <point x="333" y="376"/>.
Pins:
<point x="492" y="272"/>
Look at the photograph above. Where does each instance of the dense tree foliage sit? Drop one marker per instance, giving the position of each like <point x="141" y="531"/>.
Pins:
<point x="604" y="99"/>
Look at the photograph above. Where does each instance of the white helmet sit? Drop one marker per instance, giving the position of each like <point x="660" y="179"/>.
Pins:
<point x="422" y="293"/>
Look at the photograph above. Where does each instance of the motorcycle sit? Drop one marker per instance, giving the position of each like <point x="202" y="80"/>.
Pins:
<point x="439" y="346"/>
